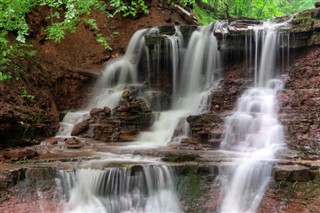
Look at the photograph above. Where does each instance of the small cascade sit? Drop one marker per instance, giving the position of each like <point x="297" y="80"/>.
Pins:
<point x="115" y="190"/>
<point x="253" y="132"/>
<point x="192" y="86"/>
<point x="116" y="77"/>
<point x="39" y="191"/>
<point x="69" y="121"/>
<point x="191" y="70"/>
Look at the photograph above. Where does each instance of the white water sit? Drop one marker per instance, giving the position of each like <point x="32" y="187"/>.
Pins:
<point x="115" y="78"/>
<point x="151" y="189"/>
<point x="138" y="190"/>
<point x="193" y="77"/>
<point x="192" y="84"/>
<point x="253" y="131"/>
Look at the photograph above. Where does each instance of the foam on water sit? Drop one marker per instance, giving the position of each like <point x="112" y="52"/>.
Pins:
<point x="115" y="190"/>
<point x="253" y="130"/>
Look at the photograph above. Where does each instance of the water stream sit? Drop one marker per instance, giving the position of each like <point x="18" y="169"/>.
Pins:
<point x="150" y="188"/>
<point x="193" y="77"/>
<point x="253" y="131"/>
<point x="115" y="78"/>
<point x="192" y="84"/>
<point x="116" y="190"/>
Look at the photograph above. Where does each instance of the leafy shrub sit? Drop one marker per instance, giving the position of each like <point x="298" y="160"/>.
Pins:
<point x="13" y="15"/>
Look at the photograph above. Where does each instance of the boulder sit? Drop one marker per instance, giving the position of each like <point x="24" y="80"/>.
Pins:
<point x="203" y="119"/>
<point x="20" y="154"/>
<point x="107" y="110"/>
<point x="124" y="106"/>
<point x="73" y="143"/>
<point x="131" y="116"/>
<point x="143" y="105"/>
<point x="95" y="112"/>
<point x="147" y="119"/>
<point x="207" y="128"/>
<point x="80" y="128"/>
<point x="125" y="94"/>
<point x="9" y="177"/>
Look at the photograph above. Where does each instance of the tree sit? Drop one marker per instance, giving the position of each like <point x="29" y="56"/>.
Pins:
<point x="259" y="9"/>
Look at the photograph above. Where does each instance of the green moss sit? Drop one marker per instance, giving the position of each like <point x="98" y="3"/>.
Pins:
<point x="309" y="190"/>
<point x="185" y="157"/>
<point x="304" y="18"/>
<point x="191" y="188"/>
<point x="301" y="191"/>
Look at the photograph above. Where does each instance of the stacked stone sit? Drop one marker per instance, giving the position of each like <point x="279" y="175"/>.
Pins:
<point x="123" y="123"/>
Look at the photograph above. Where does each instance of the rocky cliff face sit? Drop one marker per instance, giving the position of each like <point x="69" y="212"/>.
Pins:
<point x="299" y="104"/>
<point x="120" y="124"/>
<point x="59" y="86"/>
<point x="65" y="85"/>
<point x="299" y="99"/>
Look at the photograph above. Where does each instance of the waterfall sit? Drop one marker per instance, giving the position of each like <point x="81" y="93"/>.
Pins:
<point x="115" y="190"/>
<point x="192" y="85"/>
<point x="194" y="74"/>
<point x="115" y="78"/>
<point x="253" y="132"/>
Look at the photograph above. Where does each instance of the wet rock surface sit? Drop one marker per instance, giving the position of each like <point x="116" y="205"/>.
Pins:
<point x="292" y="173"/>
<point x="296" y="184"/>
<point x="123" y="123"/>
<point x="302" y="31"/>
<point x="299" y="109"/>
<point x="206" y="129"/>
<point x="291" y="190"/>
<point x="19" y="154"/>
<point x="224" y="97"/>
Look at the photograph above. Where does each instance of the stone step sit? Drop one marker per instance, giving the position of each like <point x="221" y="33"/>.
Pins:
<point x="215" y="143"/>
<point x="292" y="173"/>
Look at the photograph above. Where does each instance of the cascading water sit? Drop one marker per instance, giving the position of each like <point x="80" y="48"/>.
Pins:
<point x="192" y="84"/>
<point x="150" y="188"/>
<point x="115" y="78"/>
<point x="193" y="76"/>
<point x="253" y="132"/>
<point x="116" y="190"/>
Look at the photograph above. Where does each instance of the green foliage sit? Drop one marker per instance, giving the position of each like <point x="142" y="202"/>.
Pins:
<point x="103" y="41"/>
<point x="205" y="17"/>
<point x="65" y="16"/>
<point x="92" y="23"/>
<point x="25" y="94"/>
<point x="259" y="9"/>
<point x="129" y="7"/>
<point x="187" y="2"/>
<point x="297" y="6"/>
<point x="114" y="34"/>
<point x="13" y="17"/>
<point x="73" y="11"/>
<point x="11" y="53"/>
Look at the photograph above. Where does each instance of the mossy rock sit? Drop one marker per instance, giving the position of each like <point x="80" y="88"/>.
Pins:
<point x="186" y="157"/>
